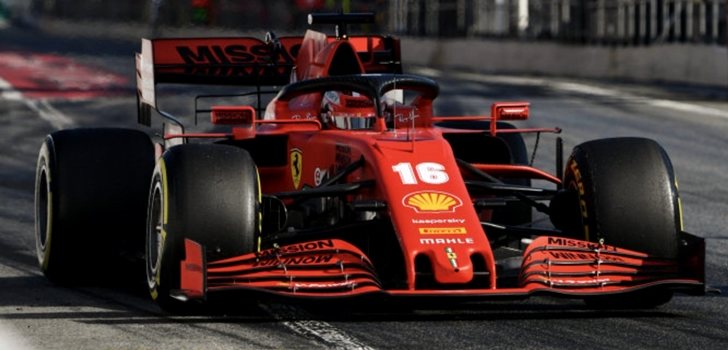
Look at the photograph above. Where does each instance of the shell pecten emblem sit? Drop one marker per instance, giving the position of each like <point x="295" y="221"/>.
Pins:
<point x="432" y="202"/>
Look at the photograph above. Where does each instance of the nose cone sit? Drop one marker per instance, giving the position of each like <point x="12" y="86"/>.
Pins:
<point x="451" y="265"/>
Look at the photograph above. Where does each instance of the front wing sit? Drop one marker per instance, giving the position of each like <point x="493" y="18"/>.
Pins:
<point x="336" y="268"/>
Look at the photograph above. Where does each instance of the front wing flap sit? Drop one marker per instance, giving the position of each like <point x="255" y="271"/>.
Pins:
<point x="315" y="268"/>
<point x="572" y="266"/>
<point x="551" y="265"/>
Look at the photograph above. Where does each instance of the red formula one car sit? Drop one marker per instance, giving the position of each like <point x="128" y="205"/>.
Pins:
<point x="347" y="184"/>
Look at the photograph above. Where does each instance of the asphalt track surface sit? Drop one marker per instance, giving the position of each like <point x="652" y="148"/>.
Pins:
<point x="690" y="123"/>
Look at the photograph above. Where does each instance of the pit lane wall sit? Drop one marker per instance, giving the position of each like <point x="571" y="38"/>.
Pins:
<point x="700" y="58"/>
<point x="674" y="63"/>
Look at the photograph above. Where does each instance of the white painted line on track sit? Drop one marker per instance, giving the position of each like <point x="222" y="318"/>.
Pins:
<point x="8" y="92"/>
<point x="49" y="113"/>
<point x="300" y="322"/>
<point x="9" y="339"/>
<point x="688" y="107"/>
<point x="578" y="88"/>
<point x="44" y="109"/>
<point x="655" y="102"/>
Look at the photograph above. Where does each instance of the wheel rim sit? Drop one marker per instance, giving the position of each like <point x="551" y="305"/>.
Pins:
<point x="154" y="236"/>
<point x="42" y="203"/>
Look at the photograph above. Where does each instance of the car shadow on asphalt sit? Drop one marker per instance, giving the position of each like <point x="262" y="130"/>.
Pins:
<point x="33" y="297"/>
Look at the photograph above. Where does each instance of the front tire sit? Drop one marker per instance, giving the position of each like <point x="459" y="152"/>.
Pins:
<point x="626" y="194"/>
<point x="622" y="191"/>
<point x="206" y="193"/>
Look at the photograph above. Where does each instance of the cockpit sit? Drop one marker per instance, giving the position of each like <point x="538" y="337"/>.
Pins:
<point x="375" y="102"/>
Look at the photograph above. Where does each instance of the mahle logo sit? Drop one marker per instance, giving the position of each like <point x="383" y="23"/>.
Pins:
<point x="432" y="202"/>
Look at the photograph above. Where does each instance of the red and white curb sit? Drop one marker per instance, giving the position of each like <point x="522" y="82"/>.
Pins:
<point x="35" y="79"/>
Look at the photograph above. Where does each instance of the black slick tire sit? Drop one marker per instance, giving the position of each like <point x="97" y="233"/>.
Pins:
<point x="209" y="194"/>
<point x="626" y="194"/>
<point x="623" y="191"/>
<point x="90" y="194"/>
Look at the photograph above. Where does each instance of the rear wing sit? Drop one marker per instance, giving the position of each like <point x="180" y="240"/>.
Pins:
<point x="240" y="61"/>
<point x="219" y="61"/>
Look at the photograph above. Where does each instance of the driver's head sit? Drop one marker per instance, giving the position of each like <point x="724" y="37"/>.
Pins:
<point x="346" y="110"/>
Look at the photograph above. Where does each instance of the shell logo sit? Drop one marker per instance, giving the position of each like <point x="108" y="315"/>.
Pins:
<point x="432" y="202"/>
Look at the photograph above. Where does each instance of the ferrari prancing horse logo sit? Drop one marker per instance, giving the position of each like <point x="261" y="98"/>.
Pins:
<point x="296" y="162"/>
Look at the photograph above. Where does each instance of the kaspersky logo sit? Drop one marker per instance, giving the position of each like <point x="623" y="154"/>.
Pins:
<point x="432" y="202"/>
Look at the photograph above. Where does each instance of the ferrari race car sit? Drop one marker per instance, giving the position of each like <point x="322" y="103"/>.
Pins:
<point x="345" y="184"/>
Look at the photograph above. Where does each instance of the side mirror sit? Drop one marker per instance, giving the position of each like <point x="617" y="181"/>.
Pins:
<point x="509" y="111"/>
<point x="242" y="117"/>
<point x="232" y="115"/>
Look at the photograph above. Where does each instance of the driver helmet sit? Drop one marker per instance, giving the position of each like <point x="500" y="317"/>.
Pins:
<point x="347" y="110"/>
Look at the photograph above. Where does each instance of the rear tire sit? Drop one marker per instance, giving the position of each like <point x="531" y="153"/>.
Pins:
<point x="623" y="191"/>
<point x="206" y="193"/>
<point x="90" y="195"/>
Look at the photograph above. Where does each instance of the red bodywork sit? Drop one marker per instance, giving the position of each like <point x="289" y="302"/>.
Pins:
<point x="414" y="172"/>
